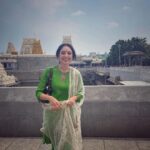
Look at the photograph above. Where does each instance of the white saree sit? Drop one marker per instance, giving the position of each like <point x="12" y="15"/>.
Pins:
<point x="63" y="126"/>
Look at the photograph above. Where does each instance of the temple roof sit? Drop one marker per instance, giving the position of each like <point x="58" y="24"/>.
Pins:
<point x="134" y="53"/>
<point x="11" y="48"/>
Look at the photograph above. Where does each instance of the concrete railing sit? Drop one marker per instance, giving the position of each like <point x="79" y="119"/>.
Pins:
<point x="108" y="111"/>
<point x="135" y="73"/>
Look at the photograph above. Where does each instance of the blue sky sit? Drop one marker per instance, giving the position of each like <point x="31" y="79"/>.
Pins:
<point x="95" y="25"/>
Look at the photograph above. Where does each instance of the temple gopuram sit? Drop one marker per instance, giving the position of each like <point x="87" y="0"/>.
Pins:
<point x="11" y="49"/>
<point x="67" y="39"/>
<point x="31" y="46"/>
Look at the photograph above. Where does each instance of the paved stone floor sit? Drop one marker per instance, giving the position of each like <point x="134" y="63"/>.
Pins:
<point x="88" y="144"/>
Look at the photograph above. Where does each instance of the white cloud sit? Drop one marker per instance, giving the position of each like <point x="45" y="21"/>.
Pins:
<point x="112" y="25"/>
<point x="78" y="13"/>
<point x="126" y="8"/>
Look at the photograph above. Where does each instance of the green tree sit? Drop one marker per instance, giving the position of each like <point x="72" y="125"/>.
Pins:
<point x="117" y="50"/>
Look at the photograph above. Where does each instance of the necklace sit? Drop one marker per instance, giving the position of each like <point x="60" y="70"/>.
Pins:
<point x="63" y="73"/>
<point x="63" y="76"/>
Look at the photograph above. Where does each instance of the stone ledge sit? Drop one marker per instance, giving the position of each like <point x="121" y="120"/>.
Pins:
<point x="108" y="111"/>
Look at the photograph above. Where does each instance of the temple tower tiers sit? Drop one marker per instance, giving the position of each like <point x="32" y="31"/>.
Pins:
<point x="67" y="39"/>
<point x="6" y="80"/>
<point x="31" y="46"/>
<point x="11" y="48"/>
<point x="37" y="49"/>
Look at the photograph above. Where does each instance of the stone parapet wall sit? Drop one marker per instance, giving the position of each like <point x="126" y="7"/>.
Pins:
<point x="26" y="76"/>
<point x="108" y="111"/>
<point x="138" y="73"/>
<point x="34" y="63"/>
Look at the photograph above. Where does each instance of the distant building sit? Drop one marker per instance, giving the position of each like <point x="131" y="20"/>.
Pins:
<point x="9" y="61"/>
<point x="27" y="61"/>
<point x="11" y="49"/>
<point x="67" y="39"/>
<point x="92" y="54"/>
<point x="31" y="46"/>
<point x="93" y="59"/>
<point x="6" y="80"/>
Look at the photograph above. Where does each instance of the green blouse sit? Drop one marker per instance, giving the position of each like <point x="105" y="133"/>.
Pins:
<point x="60" y="87"/>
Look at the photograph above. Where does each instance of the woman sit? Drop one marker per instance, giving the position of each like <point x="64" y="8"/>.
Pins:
<point x="61" y="117"/>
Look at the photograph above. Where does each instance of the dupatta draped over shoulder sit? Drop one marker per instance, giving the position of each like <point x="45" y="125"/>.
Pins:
<point x="63" y="127"/>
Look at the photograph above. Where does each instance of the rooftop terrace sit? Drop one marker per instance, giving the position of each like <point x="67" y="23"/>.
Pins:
<point x="88" y="144"/>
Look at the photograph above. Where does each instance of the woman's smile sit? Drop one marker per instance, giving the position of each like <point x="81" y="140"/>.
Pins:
<point x="65" y="55"/>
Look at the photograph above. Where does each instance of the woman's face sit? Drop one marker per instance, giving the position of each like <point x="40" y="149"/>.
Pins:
<point x="65" y="56"/>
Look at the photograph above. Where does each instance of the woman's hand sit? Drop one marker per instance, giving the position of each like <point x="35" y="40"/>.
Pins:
<point x="71" y="101"/>
<point x="55" y="103"/>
